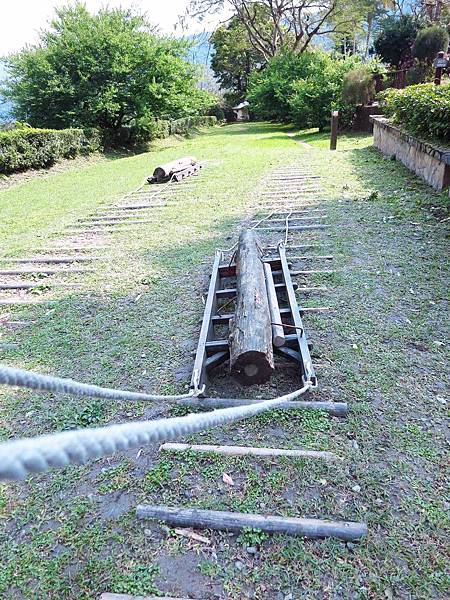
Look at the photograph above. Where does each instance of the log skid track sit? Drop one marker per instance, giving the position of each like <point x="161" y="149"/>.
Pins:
<point x="82" y="248"/>
<point x="286" y="225"/>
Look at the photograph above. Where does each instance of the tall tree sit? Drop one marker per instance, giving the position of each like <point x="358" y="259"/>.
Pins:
<point x="291" y="24"/>
<point x="395" y="39"/>
<point x="106" y="70"/>
<point x="234" y="57"/>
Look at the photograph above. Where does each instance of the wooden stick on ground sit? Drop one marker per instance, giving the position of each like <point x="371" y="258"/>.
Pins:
<point x="224" y="520"/>
<point x="337" y="409"/>
<point x="247" y="451"/>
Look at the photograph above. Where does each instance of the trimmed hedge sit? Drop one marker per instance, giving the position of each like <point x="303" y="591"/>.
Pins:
<point x="147" y="130"/>
<point x="422" y="109"/>
<point x="22" y="149"/>
<point x="185" y="125"/>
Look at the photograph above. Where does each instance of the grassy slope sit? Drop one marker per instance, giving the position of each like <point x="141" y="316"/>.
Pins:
<point x="381" y="350"/>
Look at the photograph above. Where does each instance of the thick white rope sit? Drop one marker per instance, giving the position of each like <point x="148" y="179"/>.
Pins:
<point x="19" y="458"/>
<point x="35" y="381"/>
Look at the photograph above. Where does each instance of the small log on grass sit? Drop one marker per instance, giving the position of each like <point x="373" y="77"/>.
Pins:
<point x="230" y="521"/>
<point x="251" y="351"/>
<point x="164" y="172"/>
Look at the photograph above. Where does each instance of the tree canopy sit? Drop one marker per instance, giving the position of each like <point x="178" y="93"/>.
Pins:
<point x="288" y="24"/>
<point x="107" y="70"/>
<point x="234" y="58"/>
<point x="395" y="38"/>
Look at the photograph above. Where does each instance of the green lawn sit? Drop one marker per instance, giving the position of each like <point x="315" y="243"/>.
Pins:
<point x="72" y="534"/>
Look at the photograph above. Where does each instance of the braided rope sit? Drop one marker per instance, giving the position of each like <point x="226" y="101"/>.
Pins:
<point x="19" y="458"/>
<point x="35" y="381"/>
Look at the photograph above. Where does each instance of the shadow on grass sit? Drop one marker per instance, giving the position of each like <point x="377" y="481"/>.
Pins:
<point x="393" y="182"/>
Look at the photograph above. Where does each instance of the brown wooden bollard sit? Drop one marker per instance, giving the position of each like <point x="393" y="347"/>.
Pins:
<point x="334" y="129"/>
<point x="251" y="350"/>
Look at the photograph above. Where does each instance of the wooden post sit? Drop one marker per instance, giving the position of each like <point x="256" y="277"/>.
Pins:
<point x="251" y="351"/>
<point x="334" y="129"/>
<point x="229" y="521"/>
<point x="439" y="65"/>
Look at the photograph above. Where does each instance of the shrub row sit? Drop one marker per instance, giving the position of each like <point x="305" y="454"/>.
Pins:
<point x="22" y="149"/>
<point x="147" y="130"/>
<point x="422" y="109"/>
<point x="29" y="148"/>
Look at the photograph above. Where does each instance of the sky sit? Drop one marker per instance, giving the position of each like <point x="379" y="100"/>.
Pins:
<point x="21" y="19"/>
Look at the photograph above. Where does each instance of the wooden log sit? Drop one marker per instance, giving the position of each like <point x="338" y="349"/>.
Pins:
<point x="251" y="352"/>
<point x="336" y="409"/>
<point x="229" y="521"/>
<point x="164" y="172"/>
<point x="247" y="451"/>
<point x="278" y="338"/>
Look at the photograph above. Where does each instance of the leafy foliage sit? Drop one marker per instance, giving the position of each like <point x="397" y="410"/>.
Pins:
<point x="106" y="70"/>
<point x="303" y="88"/>
<point x="423" y="109"/>
<point x="395" y="39"/>
<point x="234" y="58"/>
<point x="151" y="129"/>
<point x="429" y="42"/>
<point x="358" y="86"/>
<point x="28" y="148"/>
<point x="252" y="536"/>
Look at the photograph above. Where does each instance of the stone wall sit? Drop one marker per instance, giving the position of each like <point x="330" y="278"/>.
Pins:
<point x="424" y="159"/>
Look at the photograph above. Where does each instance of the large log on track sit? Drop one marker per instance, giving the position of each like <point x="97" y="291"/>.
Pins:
<point x="251" y="351"/>
<point x="164" y="172"/>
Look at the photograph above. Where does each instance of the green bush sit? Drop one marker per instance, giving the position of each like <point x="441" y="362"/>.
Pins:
<point x="27" y="148"/>
<point x="185" y="125"/>
<point x="358" y="86"/>
<point x="146" y="129"/>
<point x="429" y="42"/>
<point x="103" y="70"/>
<point x="422" y="109"/>
<point x="419" y="72"/>
<point x="303" y="88"/>
<point x="395" y="38"/>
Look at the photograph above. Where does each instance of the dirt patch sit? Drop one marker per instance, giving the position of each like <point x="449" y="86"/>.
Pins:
<point x="180" y="575"/>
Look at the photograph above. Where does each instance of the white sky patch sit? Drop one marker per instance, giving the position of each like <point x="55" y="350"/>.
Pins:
<point x="22" y="19"/>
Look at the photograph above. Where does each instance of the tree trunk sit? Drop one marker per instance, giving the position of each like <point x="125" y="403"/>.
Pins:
<point x="251" y="351"/>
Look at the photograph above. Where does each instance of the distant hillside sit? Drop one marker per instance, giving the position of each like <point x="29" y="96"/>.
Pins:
<point x="200" y="54"/>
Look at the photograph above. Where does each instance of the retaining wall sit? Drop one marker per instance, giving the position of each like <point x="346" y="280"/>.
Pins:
<point x="426" y="160"/>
